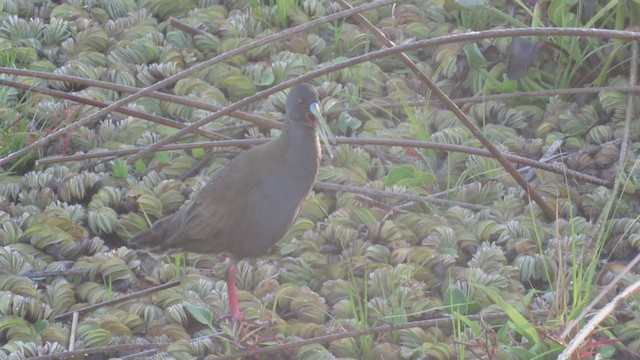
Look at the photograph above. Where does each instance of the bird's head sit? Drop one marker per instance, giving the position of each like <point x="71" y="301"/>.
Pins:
<point x="303" y="108"/>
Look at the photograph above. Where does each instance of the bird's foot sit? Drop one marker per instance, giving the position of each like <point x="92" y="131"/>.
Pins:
<point x="248" y="333"/>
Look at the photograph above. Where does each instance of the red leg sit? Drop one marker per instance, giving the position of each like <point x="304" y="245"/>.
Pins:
<point x="234" y="307"/>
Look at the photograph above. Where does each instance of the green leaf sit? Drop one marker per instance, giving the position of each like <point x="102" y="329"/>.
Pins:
<point x="348" y="123"/>
<point x="163" y="157"/>
<point x="506" y="86"/>
<point x="408" y="175"/>
<point x="607" y="351"/>
<point x="266" y="79"/>
<point x="472" y="3"/>
<point x="140" y="166"/>
<point x="274" y="133"/>
<point x="398" y="173"/>
<point x="200" y="313"/>
<point x="19" y="328"/>
<point x="520" y="323"/>
<point x="474" y="56"/>
<point x="458" y="302"/>
<point x="40" y="325"/>
<point x="120" y="169"/>
<point x="473" y="325"/>
<point x="197" y="153"/>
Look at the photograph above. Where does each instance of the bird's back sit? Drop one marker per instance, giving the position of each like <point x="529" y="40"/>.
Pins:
<point x="243" y="210"/>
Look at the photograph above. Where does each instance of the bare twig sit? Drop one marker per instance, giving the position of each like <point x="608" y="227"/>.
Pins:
<point x="83" y="353"/>
<point x="528" y="173"/>
<point x="492" y="97"/>
<point x="100" y="104"/>
<point x="351" y="141"/>
<point x="472" y="36"/>
<point x="604" y="214"/>
<point x="630" y="114"/>
<point x="123" y="152"/>
<point x="440" y="322"/>
<point x="597" y="319"/>
<point x="172" y="79"/>
<point x="379" y="204"/>
<point x="43" y="274"/>
<point x="74" y="328"/>
<point x="252" y="118"/>
<point x="381" y="193"/>
<point x="186" y="27"/>
<point x="451" y="106"/>
<point x="121" y="299"/>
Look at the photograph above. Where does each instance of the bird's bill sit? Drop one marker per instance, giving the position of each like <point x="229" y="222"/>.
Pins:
<point x="323" y="128"/>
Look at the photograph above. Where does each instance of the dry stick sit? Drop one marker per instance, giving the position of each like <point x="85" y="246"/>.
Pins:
<point x="183" y="26"/>
<point x="545" y="93"/>
<point x="451" y="106"/>
<point x="120" y="299"/>
<point x="484" y="98"/>
<point x="379" y="204"/>
<point x="409" y="197"/>
<point x="100" y="104"/>
<point x="170" y="80"/>
<point x="351" y="141"/>
<point x="133" y="150"/>
<point x="151" y="352"/>
<point x="266" y="122"/>
<point x="83" y="353"/>
<point x="440" y="322"/>
<point x="604" y="214"/>
<point x="255" y="119"/>
<point x="599" y="317"/>
<point x="74" y="327"/>
<point x="528" y="173"/>
<point x="43" y="274"/>
<point x="472" y="36"/>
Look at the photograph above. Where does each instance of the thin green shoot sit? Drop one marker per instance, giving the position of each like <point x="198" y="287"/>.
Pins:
<point x="360" y="311"/>
<point x="120" y="169"/>
<point x="178" y="261"/>
<point x="109" y="284"/>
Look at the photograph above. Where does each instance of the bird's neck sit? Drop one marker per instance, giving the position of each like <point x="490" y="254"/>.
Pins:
<point x="303" y="146"/>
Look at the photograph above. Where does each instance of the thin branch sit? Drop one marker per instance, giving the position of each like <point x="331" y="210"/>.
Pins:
<point x="491" y="97"/>
<point x="440" y="322"/>
<point x="350" y="141"/>
<point x="630" y="114"/>
<point x="189" y="29"/>
<point x="454" y="38"/>
<point x="451" y="106"/>
<point x="122" y="152"/>
<point x="471" y="36"/>
<point x="83" y="353"/>
<point x="183" y="74"/>
<point x="604" y="214"/>
<point x="99" y="104"/>
<point x="124" y="298"/>
<point x="74" y="328"/>
<point x="388" y="194"/>
<point x="596" y="320"/>
<point x="254" y="119"/>
<point x="53" y="273"/>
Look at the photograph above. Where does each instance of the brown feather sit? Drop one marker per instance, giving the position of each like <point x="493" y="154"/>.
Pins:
<point x="250" y="204"/>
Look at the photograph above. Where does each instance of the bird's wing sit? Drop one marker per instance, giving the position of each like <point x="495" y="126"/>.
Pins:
<point x="203" y="225"/>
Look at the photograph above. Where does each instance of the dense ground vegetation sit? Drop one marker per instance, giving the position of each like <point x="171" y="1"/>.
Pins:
<point x="405" y="232"/>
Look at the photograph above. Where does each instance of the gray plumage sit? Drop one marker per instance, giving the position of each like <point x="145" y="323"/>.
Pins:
<point x="249" y="205"/>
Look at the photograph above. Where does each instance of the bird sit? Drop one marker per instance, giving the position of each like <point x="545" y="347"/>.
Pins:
<point x="249" y="205"/>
